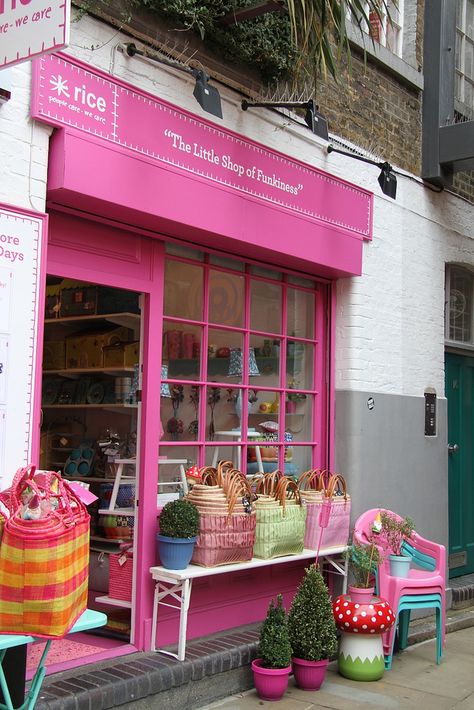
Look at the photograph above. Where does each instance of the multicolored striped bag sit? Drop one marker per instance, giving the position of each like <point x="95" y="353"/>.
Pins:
<point x="44" y="563"/>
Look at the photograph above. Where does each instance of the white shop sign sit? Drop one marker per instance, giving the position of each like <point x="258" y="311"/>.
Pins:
<point x="22" y="240"/>
<point x="29" y="28"/>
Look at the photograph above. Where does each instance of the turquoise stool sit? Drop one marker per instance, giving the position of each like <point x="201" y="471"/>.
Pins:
<point x="406" y="604"/>
<point x="88" y="620"/>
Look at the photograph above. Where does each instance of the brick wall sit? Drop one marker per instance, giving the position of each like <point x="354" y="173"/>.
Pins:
<point x="372" y="109"/>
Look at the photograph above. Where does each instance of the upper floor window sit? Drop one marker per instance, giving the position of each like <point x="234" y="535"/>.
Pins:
<point x="464" y="91"/>
<point x="386" y="28"/>
<point x="459" y="301"/>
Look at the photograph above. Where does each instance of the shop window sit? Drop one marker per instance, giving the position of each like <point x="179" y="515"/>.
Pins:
<point x="243" y="369"/>
<point x="459" y="300"/>
<point x="464" y="63"/>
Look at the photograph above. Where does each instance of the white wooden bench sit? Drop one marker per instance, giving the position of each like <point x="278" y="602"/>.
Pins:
<point x="177" y="584"/>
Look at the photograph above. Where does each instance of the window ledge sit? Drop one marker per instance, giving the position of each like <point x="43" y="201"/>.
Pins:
<point x="381" y="55"/>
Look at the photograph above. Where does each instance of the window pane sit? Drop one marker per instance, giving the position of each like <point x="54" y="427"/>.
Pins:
<point x="182" y="350"/>
<point x="183" y="290"/>
<point x="298" y="416"/>
<point x="265" y="306"/>
<point x="179" y="412"/>
<point x="300" y="317"/>
<point x="226" y="298"/>
<point x="267" y="361"/>
<point x="460" y="305"/>
<point x="225" y="361"/>
<point x="227" y="262"/>
<point x="185" y="252"/>
<point x="301" y="460"/>
<point x="173" y="463"/>
<point x="300" y="365"/>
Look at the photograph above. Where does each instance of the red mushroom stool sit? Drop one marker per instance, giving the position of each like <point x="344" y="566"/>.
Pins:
<point x="361" y="654"/>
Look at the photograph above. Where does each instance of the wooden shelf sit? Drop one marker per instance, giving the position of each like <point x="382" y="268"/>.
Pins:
<point x="109" y="406"/>
<point x="74" y="372"/>
<point x="113" y="602"/>
<point x="129" y="320"/>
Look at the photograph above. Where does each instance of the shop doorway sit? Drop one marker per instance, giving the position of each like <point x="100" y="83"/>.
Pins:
<point x="460" y="396"/>
<point x="90" y="423"/>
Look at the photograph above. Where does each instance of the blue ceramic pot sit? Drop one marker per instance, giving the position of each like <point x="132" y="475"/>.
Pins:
<point x="175" y="552"/>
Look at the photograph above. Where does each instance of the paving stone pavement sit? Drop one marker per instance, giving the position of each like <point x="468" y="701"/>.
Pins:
<point x="414" y="682"/>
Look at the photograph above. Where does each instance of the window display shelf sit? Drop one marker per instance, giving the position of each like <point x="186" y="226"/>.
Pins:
<point x="220" y="366"/>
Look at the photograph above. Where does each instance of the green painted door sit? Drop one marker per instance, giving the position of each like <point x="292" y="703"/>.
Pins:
<point x="460" y="396"/>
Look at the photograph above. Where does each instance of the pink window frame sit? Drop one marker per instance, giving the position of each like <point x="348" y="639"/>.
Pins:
<point x="320" y="391"/>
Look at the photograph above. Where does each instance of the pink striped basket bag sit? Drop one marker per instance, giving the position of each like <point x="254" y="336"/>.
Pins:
<point x="226" y="517"/>
<point x="318" y="487"/>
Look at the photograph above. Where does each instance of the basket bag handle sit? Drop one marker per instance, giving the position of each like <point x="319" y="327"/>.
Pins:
<point x="208" y="476"/>
<point x="336" y="483"/>
<point x="268" y="483"/>
<point x="312" y="480"/>
<point x="285" y="488"/>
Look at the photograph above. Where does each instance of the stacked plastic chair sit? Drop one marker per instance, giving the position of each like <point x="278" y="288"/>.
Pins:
<point x="425" y="586"/>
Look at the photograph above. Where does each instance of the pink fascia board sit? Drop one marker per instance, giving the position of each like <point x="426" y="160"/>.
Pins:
<point x="89" y="174"/>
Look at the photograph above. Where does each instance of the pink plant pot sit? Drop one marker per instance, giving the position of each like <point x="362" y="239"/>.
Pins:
<point x="270" y="683"/>
<point x="361" y="595"/>
<point x="290" y="407"/>
<point x="309" y="675"/>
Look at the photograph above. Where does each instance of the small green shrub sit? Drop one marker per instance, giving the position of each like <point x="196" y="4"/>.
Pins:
<point x="310" y="620"/>
<point x="179" y="518"/>
<point x="274" y="646"/>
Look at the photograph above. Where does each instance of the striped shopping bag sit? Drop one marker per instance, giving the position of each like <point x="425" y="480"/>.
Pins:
<point x="44" y="563"/>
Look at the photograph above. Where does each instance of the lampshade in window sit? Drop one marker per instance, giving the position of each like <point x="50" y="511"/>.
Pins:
<point x="236" y="363"/>
<point x="165" y="388"/>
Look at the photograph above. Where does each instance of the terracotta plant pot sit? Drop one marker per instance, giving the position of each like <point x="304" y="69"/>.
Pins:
<point x="361" y="595"/>
<point x="270" y="683"/>
<point x="309" y="675"/>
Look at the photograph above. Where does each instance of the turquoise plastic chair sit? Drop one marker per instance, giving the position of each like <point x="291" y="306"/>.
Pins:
<point x="405" y="606"/>
<point x="90" y="619"/>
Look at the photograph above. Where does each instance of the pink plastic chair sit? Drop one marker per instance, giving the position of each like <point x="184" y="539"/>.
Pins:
<point x="430" y="579"/>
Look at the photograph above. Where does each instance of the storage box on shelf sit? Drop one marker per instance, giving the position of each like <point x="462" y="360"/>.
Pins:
<point x="86" y="349"/>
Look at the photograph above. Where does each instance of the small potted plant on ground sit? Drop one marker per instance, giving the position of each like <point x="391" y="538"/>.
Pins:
<point x="394" y="531"/>
<point x="272" y="668"/>
<point x="363" y="562"/>
<point x="312" y="630"/>
<point x="179" y="528"/>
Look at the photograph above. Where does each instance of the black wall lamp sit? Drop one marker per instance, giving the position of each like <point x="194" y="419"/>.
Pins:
<point x="207" y="96"/>
<point x="313" y="119"/>
<point x="387" y="178"/>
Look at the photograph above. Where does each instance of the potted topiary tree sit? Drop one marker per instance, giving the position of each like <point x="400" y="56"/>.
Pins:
<point x="179" y="528"/>
<point x="394" y="531"/>
<point x="272" y="668"/>
<point x="312" y="630"/>
<point x="363" y="561"/>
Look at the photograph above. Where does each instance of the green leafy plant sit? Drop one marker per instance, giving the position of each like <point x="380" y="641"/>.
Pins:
<point x="363" y="561"/>
<point x="274" y="646"/>
<point x="310" y="619"/>
<point x="395" y="530"/>
<point x="179" y="518"/>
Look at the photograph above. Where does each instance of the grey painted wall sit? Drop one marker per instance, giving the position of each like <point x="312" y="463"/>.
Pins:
<point x="388" y="462"/>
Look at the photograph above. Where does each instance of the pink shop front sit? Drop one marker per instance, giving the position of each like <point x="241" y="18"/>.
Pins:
<point x="175" y="248"/>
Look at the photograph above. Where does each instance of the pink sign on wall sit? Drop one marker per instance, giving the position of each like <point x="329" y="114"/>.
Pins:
<point x="68" y="93"/>
<point x="29" y="28"/>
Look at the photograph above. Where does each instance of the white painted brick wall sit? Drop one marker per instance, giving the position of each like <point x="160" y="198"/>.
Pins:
<point x="390" y="330"/>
